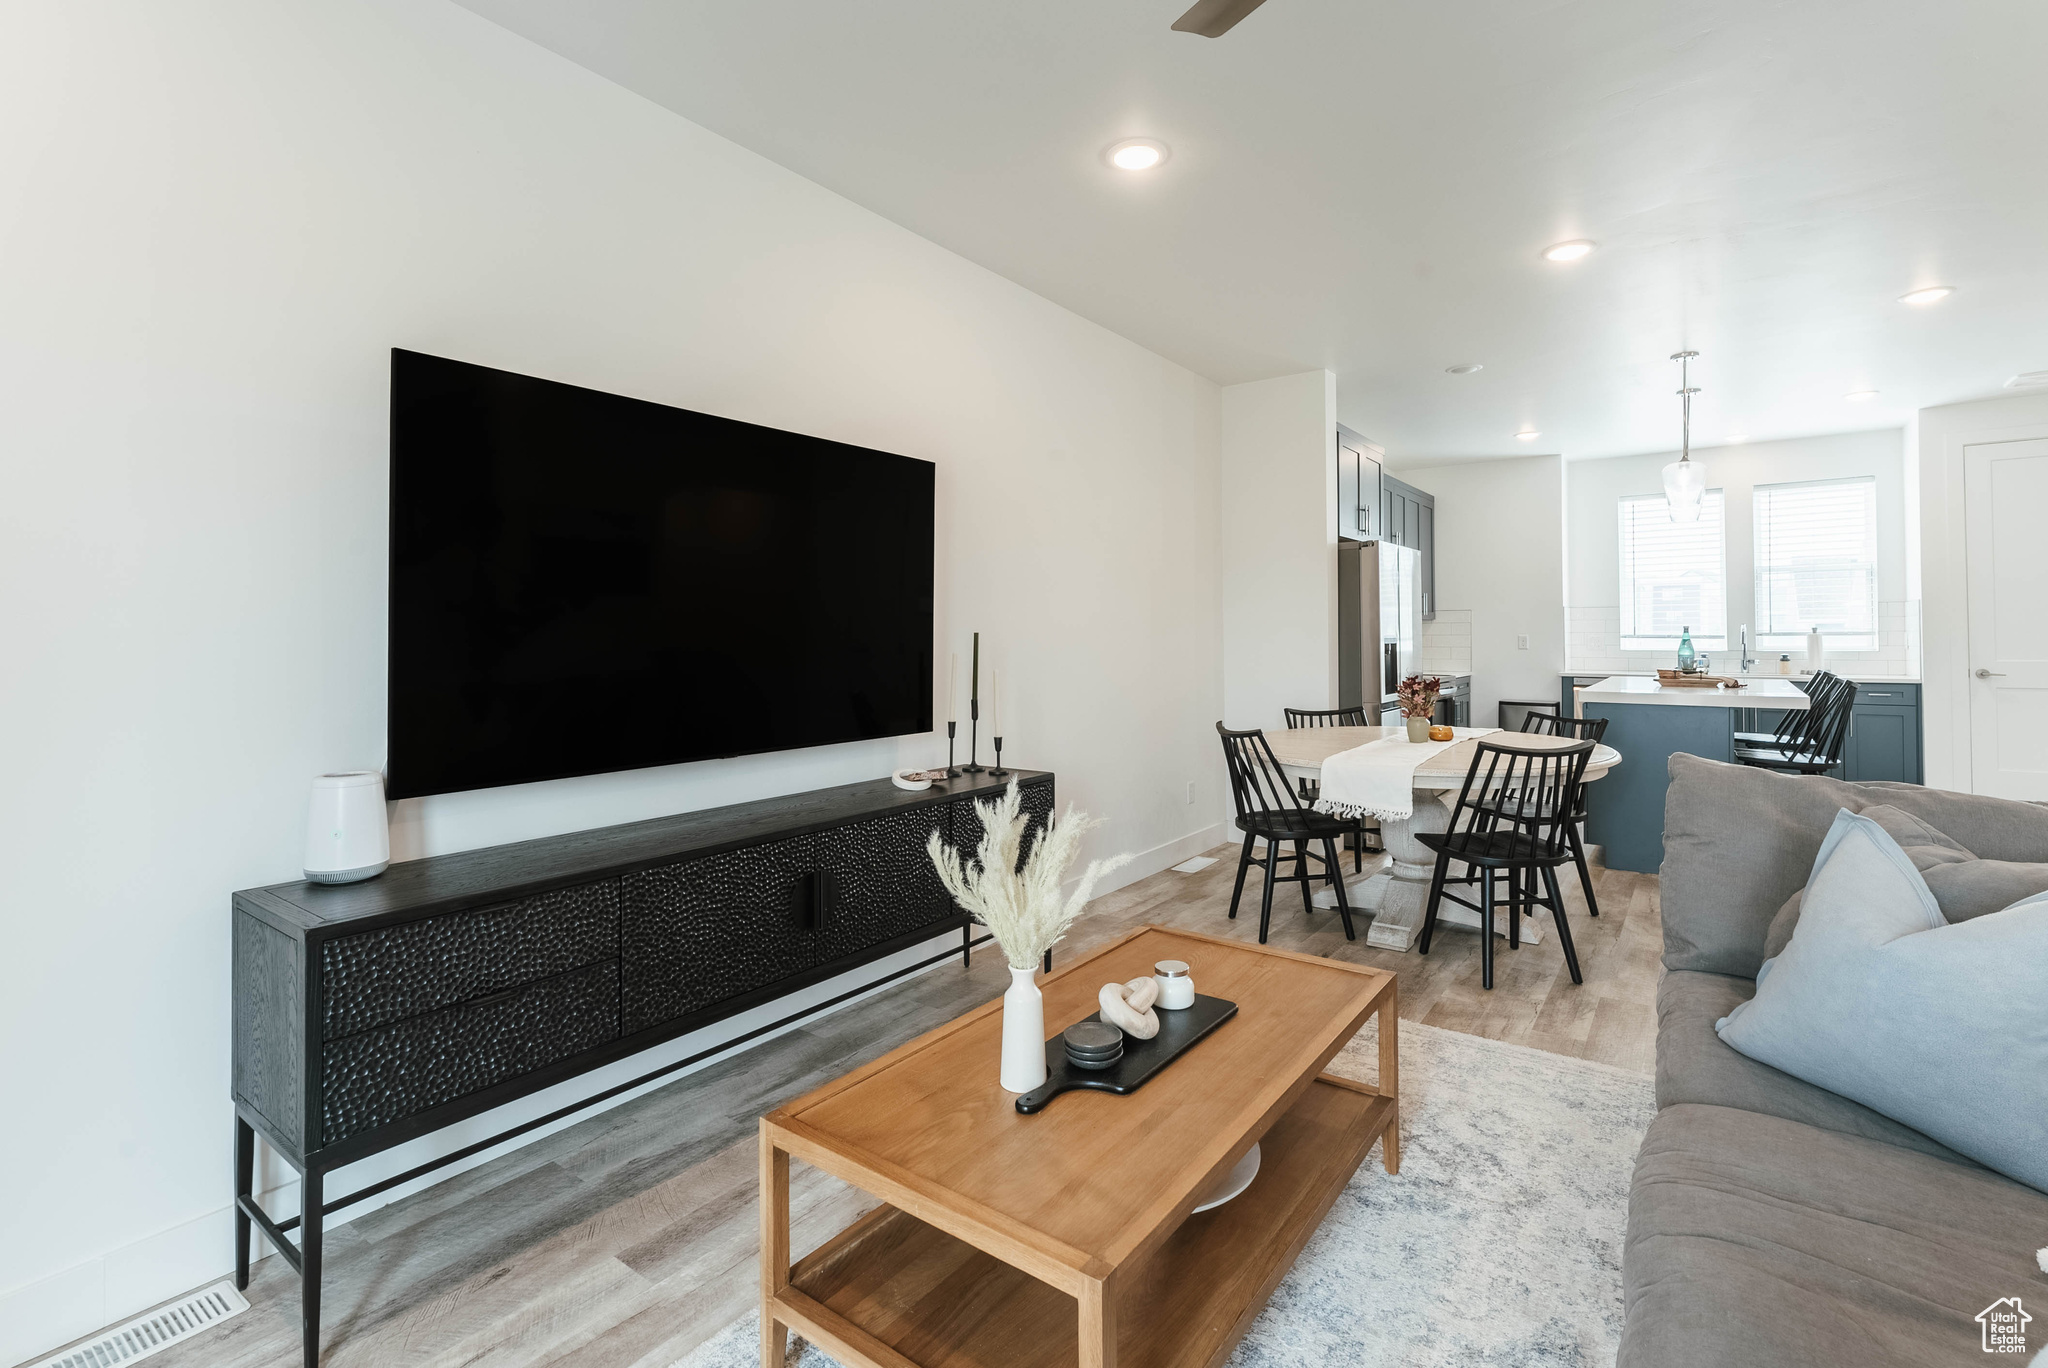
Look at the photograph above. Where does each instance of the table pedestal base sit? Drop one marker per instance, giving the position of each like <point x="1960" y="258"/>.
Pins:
<point x="1398" y="894"/>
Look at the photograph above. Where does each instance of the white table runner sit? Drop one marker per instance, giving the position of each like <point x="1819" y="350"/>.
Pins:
<point x="1377" y="779"/>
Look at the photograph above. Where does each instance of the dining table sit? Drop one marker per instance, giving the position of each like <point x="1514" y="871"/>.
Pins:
<point x="1397" y="895"/>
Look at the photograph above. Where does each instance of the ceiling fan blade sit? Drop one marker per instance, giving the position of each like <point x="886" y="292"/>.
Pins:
<point x="1214" y="18"/>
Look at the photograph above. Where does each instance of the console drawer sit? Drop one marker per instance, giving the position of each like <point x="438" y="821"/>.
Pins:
<point x="376" y="1077"/>
<point x="378" y="977"/>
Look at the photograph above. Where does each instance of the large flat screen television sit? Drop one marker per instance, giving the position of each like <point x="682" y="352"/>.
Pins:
<point x="582" y="583"/>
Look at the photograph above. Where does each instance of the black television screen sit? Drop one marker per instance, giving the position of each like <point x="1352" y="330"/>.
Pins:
<point x="582" y="583"/>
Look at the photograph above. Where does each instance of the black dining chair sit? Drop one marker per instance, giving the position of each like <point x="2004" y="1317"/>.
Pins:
<point x="1592" y="729"/>
<point x="1298" y="718"/>
<point x="1510" y="818"/>
<point x="1268" y="810"/>
<point x="1825" y="736"/>
<point x="1794" y="723"/>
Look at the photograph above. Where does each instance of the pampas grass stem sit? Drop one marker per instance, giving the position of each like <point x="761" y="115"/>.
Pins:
<point x="1023" y="909"/>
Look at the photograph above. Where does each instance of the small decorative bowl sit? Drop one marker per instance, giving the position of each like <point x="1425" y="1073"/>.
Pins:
<point x="1441" y="734"/>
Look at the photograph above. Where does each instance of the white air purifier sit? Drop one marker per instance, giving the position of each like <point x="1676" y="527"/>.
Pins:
<point x="347" y="838"/>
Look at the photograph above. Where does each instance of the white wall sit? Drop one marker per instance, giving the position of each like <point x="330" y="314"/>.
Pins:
<point x="1939" y="436"/>
<point x="1593" y="553"/>
<point x="1500" y="569"/>
<point x="1279" y="558"/>
<point x="215" y="220"/>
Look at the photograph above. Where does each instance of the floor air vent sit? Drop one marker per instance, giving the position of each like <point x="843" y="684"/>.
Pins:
<point x="159" y="1329"/>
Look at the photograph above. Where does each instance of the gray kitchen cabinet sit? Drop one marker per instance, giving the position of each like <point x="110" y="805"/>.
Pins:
<point x="1359" y="506"/>
<point x="1410" y="518"/>
<point x="1884" y="734"/>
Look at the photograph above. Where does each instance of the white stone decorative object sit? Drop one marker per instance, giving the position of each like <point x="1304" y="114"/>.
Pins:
<point x="1128" y="1007"/>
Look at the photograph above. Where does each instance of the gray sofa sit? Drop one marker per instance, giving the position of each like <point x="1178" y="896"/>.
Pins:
<point x="1773" y="1224"/>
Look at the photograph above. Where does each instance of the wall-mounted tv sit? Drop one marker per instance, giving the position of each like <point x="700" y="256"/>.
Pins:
<point x="582" y="583"/>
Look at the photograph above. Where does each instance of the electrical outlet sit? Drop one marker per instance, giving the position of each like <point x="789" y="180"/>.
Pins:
<point x="1522" y="643"/>
<point x="1191" y="792"/>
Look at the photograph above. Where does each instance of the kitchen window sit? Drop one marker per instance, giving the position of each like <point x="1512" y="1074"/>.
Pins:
<point x="1816" y="563"/>
<point x="1674" y="575"/>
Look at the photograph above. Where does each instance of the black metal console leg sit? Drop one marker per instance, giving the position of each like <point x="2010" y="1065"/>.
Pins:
<point x="245" y="1180"/>
<point x="966" y="948"/>
<point x="1048" y="961"/>
<point x="309" y="1264"/>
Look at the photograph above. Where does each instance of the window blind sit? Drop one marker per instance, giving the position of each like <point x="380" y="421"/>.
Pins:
<point x="1816" y="563"/>
<point x="1673" y="575"/>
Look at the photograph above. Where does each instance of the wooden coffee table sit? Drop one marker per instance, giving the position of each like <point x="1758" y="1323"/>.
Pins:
<point x="1064" y="1238"/>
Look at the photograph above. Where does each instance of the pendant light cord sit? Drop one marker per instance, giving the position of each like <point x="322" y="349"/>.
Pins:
<point x="1685" y="394"/>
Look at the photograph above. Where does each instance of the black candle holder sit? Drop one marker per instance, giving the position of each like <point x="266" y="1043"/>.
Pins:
<point x="998" y="771"/>
<point x="973" y="765"/>
<point x="952" y="730"/>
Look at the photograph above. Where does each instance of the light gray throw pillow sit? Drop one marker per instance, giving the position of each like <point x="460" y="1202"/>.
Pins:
<point x="1963" y="885"/>
<point x="1880" y="999"/>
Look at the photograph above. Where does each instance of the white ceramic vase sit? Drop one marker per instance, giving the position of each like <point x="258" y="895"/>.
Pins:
<point x="1418" y="728"/>
<point x="1023" y="1033"/>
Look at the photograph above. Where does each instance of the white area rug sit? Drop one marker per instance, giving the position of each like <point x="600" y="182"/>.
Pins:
<point x="1498" y="1243"/>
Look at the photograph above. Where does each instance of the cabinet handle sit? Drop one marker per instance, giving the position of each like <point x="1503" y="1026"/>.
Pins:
<point x="813" y="901"/>
<point x="1877" y="695"/>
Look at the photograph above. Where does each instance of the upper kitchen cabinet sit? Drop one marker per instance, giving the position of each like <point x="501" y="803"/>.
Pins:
<point x="1408" y="516"/>
<point x="1358" y="487"/>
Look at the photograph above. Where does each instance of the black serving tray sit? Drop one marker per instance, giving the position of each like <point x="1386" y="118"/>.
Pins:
<point x="1178" y="1031"/>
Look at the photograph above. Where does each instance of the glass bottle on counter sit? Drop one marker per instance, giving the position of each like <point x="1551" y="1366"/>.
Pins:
<point x="1686" y="655"/>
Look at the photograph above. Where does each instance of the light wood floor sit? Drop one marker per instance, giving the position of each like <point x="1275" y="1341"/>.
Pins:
<point x="627" y="1240"/>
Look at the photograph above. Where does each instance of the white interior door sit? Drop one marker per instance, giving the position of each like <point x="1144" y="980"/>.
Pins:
<point x="2006" y="511"/>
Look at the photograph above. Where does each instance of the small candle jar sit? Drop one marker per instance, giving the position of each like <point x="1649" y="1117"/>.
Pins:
<point x="1176" y="989"/>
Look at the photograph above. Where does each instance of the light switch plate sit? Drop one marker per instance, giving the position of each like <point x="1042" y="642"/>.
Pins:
<point x="1522" y="643"/>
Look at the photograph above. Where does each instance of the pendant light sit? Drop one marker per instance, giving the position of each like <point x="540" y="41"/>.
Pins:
<point x="1685" y="481"/>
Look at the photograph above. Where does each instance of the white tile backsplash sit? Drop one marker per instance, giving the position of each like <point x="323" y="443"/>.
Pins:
<point x="1446" y="644"/>
<point x="1593" y="642"/>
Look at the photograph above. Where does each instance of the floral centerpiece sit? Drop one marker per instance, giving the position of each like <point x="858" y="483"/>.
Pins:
<point x="1418" y="694"/>
<point x="1023" y="908"/>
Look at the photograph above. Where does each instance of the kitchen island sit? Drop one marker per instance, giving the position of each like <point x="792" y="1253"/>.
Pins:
<point x="1650" y="723"/>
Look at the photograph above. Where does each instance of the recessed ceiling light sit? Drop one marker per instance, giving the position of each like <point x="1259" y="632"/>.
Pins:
<point x="1527" y="436"/>
<point x="1135" y="154"/>
<point x="1567" y="251"/>
<point x="1933" y="294"/>
<point x="2027" y="380"/>
<point x="1465" y="369"/>
<point x="1858" y="396"/>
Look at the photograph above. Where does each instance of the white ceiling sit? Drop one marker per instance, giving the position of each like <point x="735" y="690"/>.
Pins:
<point x="1366" y="184"/>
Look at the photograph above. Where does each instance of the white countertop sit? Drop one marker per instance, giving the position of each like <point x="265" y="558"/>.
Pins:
<point x="1765" y="674"/>
<point x="1760" y="692"/>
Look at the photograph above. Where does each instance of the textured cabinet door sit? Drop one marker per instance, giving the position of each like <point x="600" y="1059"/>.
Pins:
<point x="378" y="977"/>
<point x="883" y="883"/>
<point x="1036" y="803"/>
<point x="699" y="931"/>
<point x="379" y="1076"/>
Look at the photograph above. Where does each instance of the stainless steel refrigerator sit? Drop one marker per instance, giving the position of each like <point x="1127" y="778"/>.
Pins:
<point x="1379" y="622"/>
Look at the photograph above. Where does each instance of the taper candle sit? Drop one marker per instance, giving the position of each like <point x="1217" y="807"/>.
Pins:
<point x="974" y="682"/>
<point x="953" y="687"/>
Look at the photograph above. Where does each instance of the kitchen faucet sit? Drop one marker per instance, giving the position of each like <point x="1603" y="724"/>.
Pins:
<point x="1747" y="659"/>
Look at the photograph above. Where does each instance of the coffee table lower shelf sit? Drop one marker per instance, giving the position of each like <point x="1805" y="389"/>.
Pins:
<point x="893" y="1292"/>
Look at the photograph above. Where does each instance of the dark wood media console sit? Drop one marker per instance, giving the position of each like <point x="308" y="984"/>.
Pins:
<point x="368" y="1014"/>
